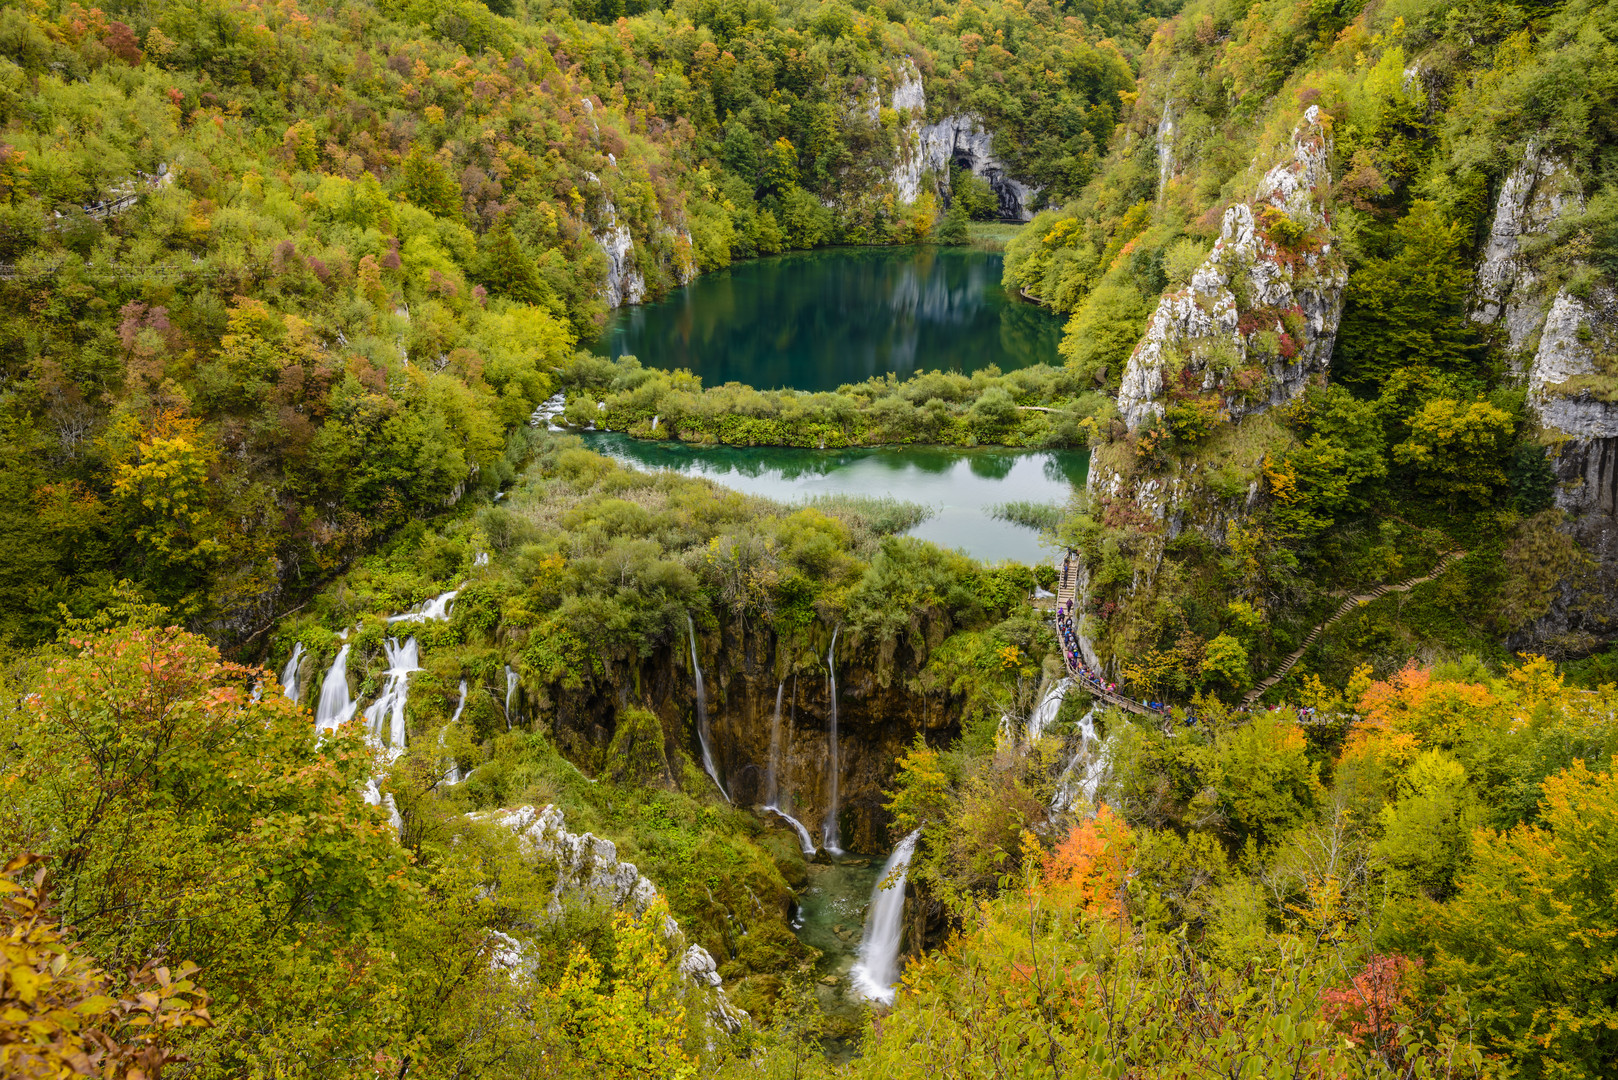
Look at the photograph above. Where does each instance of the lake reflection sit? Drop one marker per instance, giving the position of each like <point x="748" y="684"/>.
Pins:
<point x="818" y="319"/>
<point x="962" y="486"/>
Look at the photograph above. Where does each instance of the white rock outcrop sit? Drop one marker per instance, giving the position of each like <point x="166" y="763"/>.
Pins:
<point x="1576" y="335"/>
<point x="1539" y="191"/>
<point x="957" y="140"/>
<point x="588" y="870"/>
<point x="625" y="283"/>
<point x="1197" y="334"/>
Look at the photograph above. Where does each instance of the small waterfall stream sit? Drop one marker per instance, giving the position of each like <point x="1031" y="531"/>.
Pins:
<point x="435" y="609"/>
<point x="702" y="712"/>
<point x="336" y="708"/>
<point x="1041" y="718"/>
<point x="877" y="971"/>
<point x="831" y="834"/>
<point x="511" y="693"/>
<point x="453" y="774"/>
<point x="772" y="778"/>
<point x="1082" y="777"/>
<point x="289" y="674"/>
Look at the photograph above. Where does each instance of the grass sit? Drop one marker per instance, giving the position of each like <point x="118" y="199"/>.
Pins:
<point x="881" y="514"/>
<point x="1033" y="515"/>
<point x="991" y="235"/>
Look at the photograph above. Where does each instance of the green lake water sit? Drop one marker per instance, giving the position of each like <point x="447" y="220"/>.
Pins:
<point x="961" y="486"/>
<point x="815" y="320"/>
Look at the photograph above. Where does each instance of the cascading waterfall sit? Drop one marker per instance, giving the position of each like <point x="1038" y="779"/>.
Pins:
<point x="438" y="608"/>
<point x="1042" y="717"/>
<point x="453" y="774"/>
<point x="877" y="971"/>
<point x="385" y="719"/>
<point x="1083" y="774"/>
<point x="702" y="711"/>
<point x="336" y="708"/>
<point x="289" y="674"/>
<point x="831" y="835"/>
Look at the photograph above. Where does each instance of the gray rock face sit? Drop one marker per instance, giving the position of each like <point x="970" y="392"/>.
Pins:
<point x="625" y="283"/>
<point x="1534" y="197"/>
<point x="1576" y="335"/>
<point x="965" y="142"/>
<point x="1197" y="335"/>
<point x="1568" y="383"/>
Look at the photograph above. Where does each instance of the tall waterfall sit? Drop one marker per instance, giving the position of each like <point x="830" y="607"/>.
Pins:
<point x="831" y="835"/>
<point x="385" y="719"/>
<point x="702" y="711"/>
<point x="511" y="692"/>
<point x="1041" y="718"/>
<point x="289" y="674"/>
<point x="877" y="971"/>
<point x="1083" y="774"/>
<point x="772" y="782"/>
<point x="336" y="708"/>
<point x="453" y="774"/>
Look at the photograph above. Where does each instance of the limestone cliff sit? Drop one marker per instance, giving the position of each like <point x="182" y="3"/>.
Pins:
<point x="1258" y="319"/>
<point x="1533" y="198"/>
<point x="625" y="282"/>
<point x="588" y="870"/>
<point x="1251" y="330"/>
<point x="1573" y="392"/>
<point x="960" y="140"/>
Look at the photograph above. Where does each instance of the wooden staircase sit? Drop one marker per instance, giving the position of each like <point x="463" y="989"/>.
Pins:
<point x="1351" y="604"/>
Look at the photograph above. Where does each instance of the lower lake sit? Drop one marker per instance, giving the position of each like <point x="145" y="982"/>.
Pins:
<point x="962" y="487"/>
<point x="815" y="320"/>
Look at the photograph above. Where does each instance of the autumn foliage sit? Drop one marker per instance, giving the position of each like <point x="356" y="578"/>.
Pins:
<point x="61" y="1016"/>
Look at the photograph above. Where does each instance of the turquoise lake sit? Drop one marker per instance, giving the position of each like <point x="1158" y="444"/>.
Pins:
<point x="815" y="320"/>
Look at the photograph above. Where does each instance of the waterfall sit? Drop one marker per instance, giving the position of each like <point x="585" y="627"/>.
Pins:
<point x="830" y="834"/>
<point x="336" y="708"/>
<point x="1041" y="717"/>
<point x="389" y="707"/>
<point x="877" y="971"/>
<point x="453" y="774"/>
<point x="289" y="674"/>
<point x="511" y="693"/>
<point x="805" y="841"/>
<point x="772" y="784"/>
<point x="1083" y="774"/>
<point x="429" y="610"/>
<point x="702" y="711"/>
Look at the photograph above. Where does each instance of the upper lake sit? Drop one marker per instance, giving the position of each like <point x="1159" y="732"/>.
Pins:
<point x="815" y="320"/>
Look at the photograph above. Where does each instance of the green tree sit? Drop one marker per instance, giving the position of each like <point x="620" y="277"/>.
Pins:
<point x="1531" y="935"/>
<point x="1407" y="304"/>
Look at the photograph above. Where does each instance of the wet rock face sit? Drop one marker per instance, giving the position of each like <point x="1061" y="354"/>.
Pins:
<point x="1257" y="322"/>
<point x="877" y="721"/>
<point x="1539" y="191"/>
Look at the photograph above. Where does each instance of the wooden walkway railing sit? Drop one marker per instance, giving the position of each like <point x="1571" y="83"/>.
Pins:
<point x="1353" y="603"/>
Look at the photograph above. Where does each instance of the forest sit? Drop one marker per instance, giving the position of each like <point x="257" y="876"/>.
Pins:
<point x="359" y="719"/>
